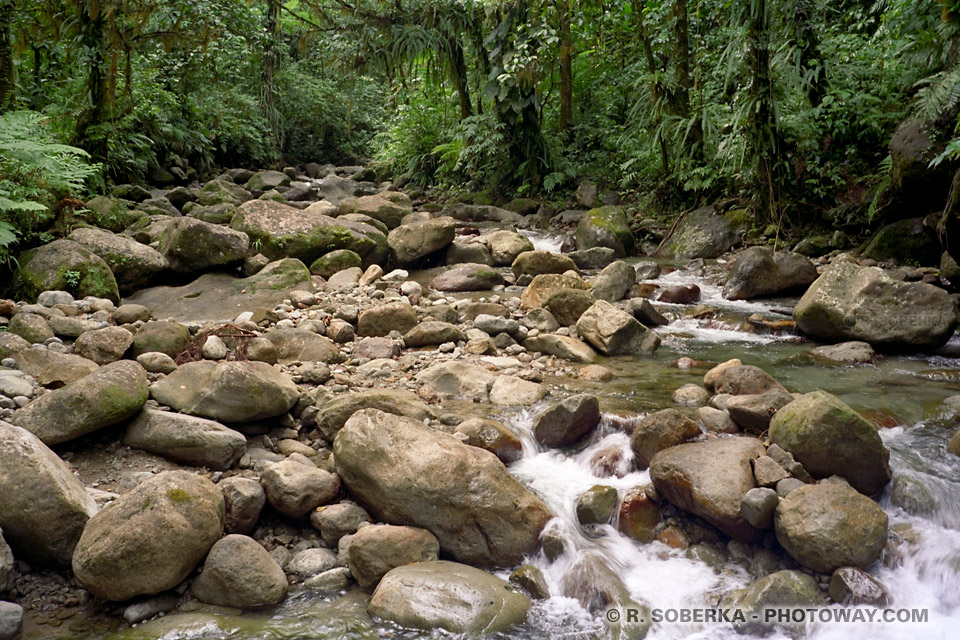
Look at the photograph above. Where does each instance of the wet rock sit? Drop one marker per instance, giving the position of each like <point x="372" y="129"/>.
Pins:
<point x="716" y="421"/>
<point x="605" y="227"/>
<point x="454" y="378"/>
<point x="829" y="525"/>
<point x="659" y="431"/>
<point x="148" y="608"/>
<point x="191" y="245"/>
<point x="910" y="494"/>
<point x="447" y="595"/>
<point x="708" y="479"/>
<point x="227" y="391"/>
<point x="706" y="233"/>
<point x="953" y="446"/>
<point x="511" y="391"/>
<point x="758" y="506"/>
<point x="335" y="413"/>
<point x="44" y="507"/>
<point x="311" y="562"/>
<point x="680" y="294"/>
<point x="492" y="436"/>
<point x="382" y="319"/>
<point x="530" y="580"/>
<point x="151" y="538"/>
<point x="780" y="589"/>
<point x="46" y="267"/>
<point x="596" y="505"/>
<point x="432" y="333"/>
<point x="850" y="302"/>
<point x="568" y="421"/>
<point x="595" y="585"/>
<point x="377" y="549"/>
<point x="845" y="353"/>
<point x="753" y="412"/>
<point x="243" y="499"/>
<point x="407" y="473"/>
<point x="410" y="243"/>
<point x="105" y="397"/>
<point x="539" y="262"/>
<point x="761" y="272"/>
<point x="829" y="438"/>
<point x="645" y="313"/>
<point x="238" y="572"/>
<point x="738" y="379"/>
<point x="613" y="332"/>
<point x="295" y="489"/>
<point x="855" y="587"/>
<point x="596" y="373"/>
<point x="185" y="439"/>
<point x="335" y="521"/>
<point x="638" y="515"/>
<point x="467" y="277"/>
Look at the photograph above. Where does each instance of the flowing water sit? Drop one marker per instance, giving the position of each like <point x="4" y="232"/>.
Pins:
<point x="902" y="393"/>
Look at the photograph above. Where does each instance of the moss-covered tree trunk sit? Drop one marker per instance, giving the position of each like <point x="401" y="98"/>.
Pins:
<point x="7" y="86"/>
<point x="566" y="66"/>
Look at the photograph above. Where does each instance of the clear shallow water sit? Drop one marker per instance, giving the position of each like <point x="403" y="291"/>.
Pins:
<point x="904" y="393"/>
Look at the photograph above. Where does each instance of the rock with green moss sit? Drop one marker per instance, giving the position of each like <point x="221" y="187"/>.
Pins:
<point x="267" y="180"/>
<point x="505" y="245"/>
<point x="467" y="277"/>
<point x="171" y="338"/>
<point x="905" y="241"/>
<point x="64" y="265"/>
<point x="605" y="227"/>
<point x="829" y="438"/>
<point x="706" y="233"/>
<point x="538" y="262"/>
<point x="410" y="243"/>
<point x="278" y="230"/>
<point x="109" y="395"/>
<point x="387" y="207"/>
<point x="109" y="212"/>
<point x="134" y="265"/>
<point x="545" y="285"/>
<point x="191" y="245"/>
<point x="850" y="302"/>
<point x="222" y="192"/>
<point x="568" y="304"/>
<point x="217" y="214"/>
<point x="329" y="264"/>
<point x="150" y="539"/>
<point x="227" y="391"/>
<point x="780" y="589"/>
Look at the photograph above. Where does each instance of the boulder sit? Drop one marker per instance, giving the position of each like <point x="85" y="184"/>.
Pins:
<point x="31" y="327"/>
<point x="492" y="436"/>
<point x="638" y="515"/>
<point x="432" y="333"/>
<point x="407" y="473"/>
<point x="534" y="263"/>
<point x="191" y="245"/>
<point x="238" y="572"/>
<point x="830" y="525"/>
<point x="105" y="397"/>
<point x="753" y="412"/>
<point x="545" y="285"/>
<point x="468" y="249"/>
<point x="149" y="539"/>
<point x="851" y="586"/>
<point x="51" y="369"/>
<point x="708" y="479"/>
<point x="334" y="262"/>
<point x="829" y="438"/>
<point x="227" y="391"/>
<point x="596" y="505"/>
<point x="613" y="332"/>
<point x="133" y="264"/>
<point x="301" y="345"/>
<point x="567" y="305"/>
<point x="467" y="277"/>
<point x="217" y="192"/>
<point x="163" y="336"/>
<point x="11" y="344"/>
<point x="103" y="346"/>
<point x="568" y="421"/>
<point x="595" y="258"/>
<point x="295" y="489"/>
<point x="377" y="549"/>
<point x="906" y="242"/>
<point x="454" y="378"/>
<point x="760" y="272"/>
<point x="279" y="230"/>
<point x="112" y="213"/>
<point x="384" y="318"/>
<point x="186" y="439"/>
<point x="759" y="505"/>
<point x="45" y="506"/>
<point x="605" y="227"/>
<point x="243" y="500"/>
<point x="511" y="391"/>
<point x="706" y="233"/>
<point x="481" y="213"/>
<point x="782" y="589"/>
<point x="562" y="347"/>
<point x="11" y="620"/>
<point x="447" y="595"/>
<point x="334" y="414"/>
<point x="64" y="265"/>
<point x="266" y="180"/>
<point x="740" y="379"/>
<point x="505" y="246"/>
<point x="850" y="302"/>
<point x="387" y="207"/>
<point x="845" y="353"/>
<point x="410" y="243"/>
<point x="659" y="431"/>
<point x="335" y="521"/>
<point x="613" y="283"/>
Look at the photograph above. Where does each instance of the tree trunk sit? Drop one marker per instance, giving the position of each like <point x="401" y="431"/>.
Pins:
<point x="459" y="68"/>
<point x="762" y="125"/>
<point x="93" y="36"/>
<point x="7" y="85"/>
<point x="566" y="67"/>
<point x="271" y="58"/>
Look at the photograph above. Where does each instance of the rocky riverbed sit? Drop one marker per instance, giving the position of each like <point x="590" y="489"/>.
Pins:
<point x="302" y="404"/>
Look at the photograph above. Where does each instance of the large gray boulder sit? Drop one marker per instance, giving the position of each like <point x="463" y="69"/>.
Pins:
<point x="467" y="277"/>
<point x="540" y="261"/>
<point x="505" y="245"/>
<point x="706" y="233"/>
<point x="568" y="421"/>
<point x="447" y="595"/>
<point x="44" y="506"/>
<point x="105" y="345"/>
<point x="709" y="479"/>
<point x="659" y="431"/>
<point x="409" y="474"/>
<point x="105" y="397"/>
<point x="389" y="207"/>
<point x="830" y="525"/>
<point x="266" y="180"/>
<point x="47" y="268"/>
<point x="455" y="378"/>
<point x="227" y="391"/>
<point x="238" y="572"/>
<point x="562" y="347"/>
<point x="605" y="227"/>
<point x="760" y="272"/>
<point x="150" y="539"/>
<point x="850" y="302"/>
<point x="185" y="439"/>
<point x="829" y="438"/>
<point x="334" y="414"/>
<point x="302" y="345"/>
<point x="614" y="332"/>
<point x="191" y="245"/>
<point x="613" y="283"/>
<point x="133" y="264"/>
<point x="412" y="242"/>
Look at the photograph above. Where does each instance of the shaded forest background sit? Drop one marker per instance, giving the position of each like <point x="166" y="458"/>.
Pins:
<point x="793" y="107"/>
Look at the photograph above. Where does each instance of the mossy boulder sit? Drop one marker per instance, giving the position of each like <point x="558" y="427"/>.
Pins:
<point x="133" y="264"/>
<point x="707" y="233"/>
<point x="109" y="395"/>
<point x="907" y="242"/>
<point x="329" y="264"/>
<point x="191" y="245"/>
<point x="164" y="336"/>
<point x="605" y="227"/>
<point x="387" y="207"/>
<point x="109" y="213"/>
<point x="64" y="265"/>
<point x="222" y="192"/>
<point x="267" y="180"/>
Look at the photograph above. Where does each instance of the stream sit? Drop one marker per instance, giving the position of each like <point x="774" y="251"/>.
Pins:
<point x="903" y="394"/>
